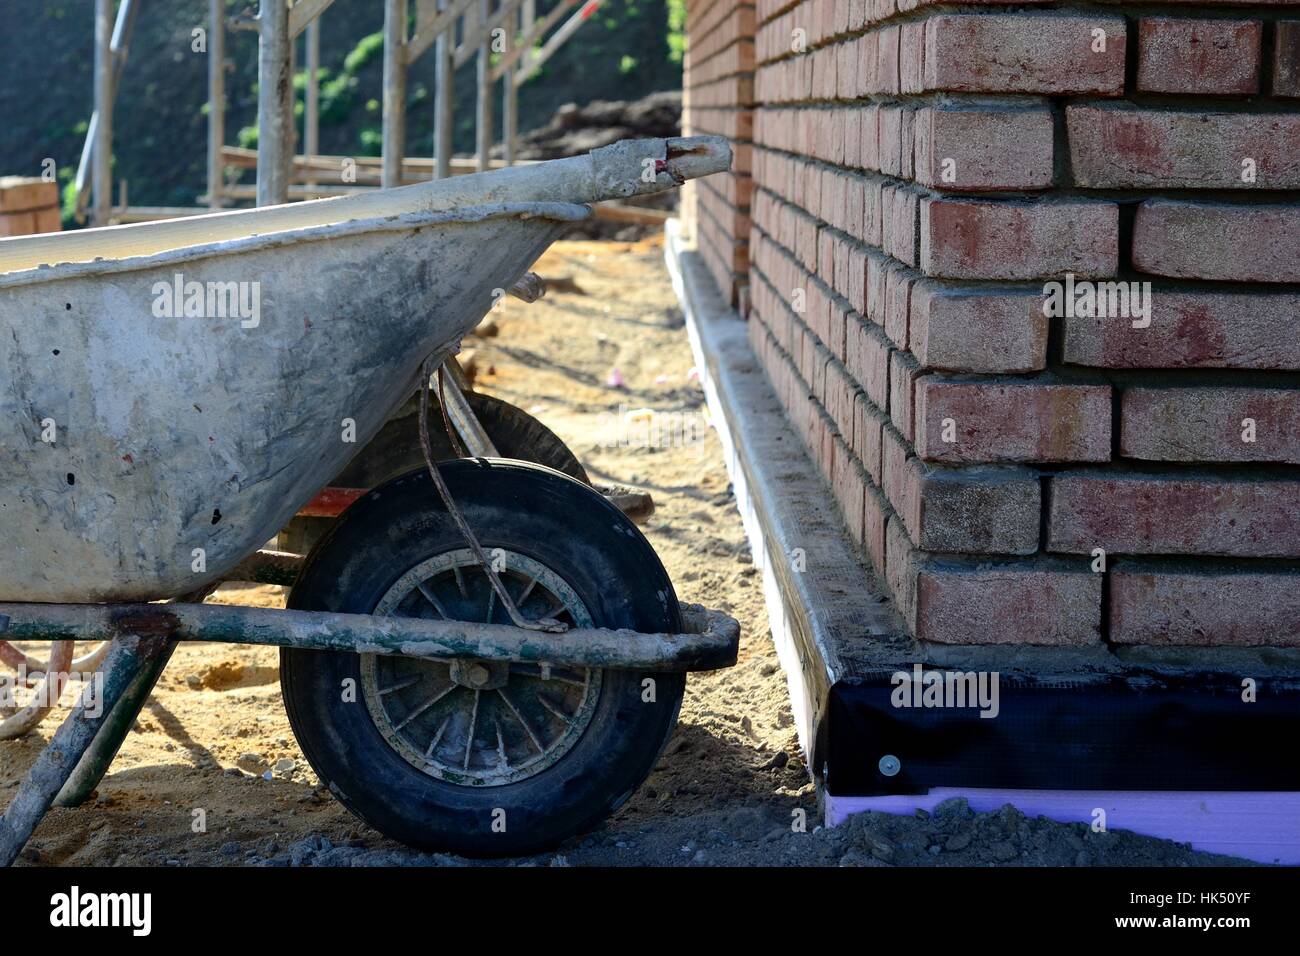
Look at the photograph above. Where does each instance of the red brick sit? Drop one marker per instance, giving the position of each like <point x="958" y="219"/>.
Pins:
<point x="898" y="296"/>
<point x="1236" y="243"/>
<point x="886" y="78"/>
<point x="911" y="57"/>
<point x="1233" y="607"/>
<point x="976" y="331"/>
<point x="849" y="486"/>
<point x="980" y="149"/>
<point x="866" y="355"/>
<point x="875" y="514"/>
<point x="901" y="561"/>
<point x="1124" y="148"/>
<point x="1012" y="421"/>
<point x="1193" y="330"/>
<point x="1167" y="514"/>
<point x="1177" y="55"/>
<point x="986" y="510"/>
<point x="899" y="222"/>
<point x="1014" y="604"/>
<point x="866" y="435"/>
<point x="891" y="138"/>
<point x="1023" y="53"/>
<point x="840" y="400"/>
<point x="903" y="373"/>
<point x="1286" y="59"/>
<point x="982" y="239"/>
<point x="1206" y="424"/>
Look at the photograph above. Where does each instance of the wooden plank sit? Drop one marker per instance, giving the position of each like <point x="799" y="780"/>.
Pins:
<point x="23" y="193"/>
<point x="425" y="35"/>
<point x="304" y="13"/>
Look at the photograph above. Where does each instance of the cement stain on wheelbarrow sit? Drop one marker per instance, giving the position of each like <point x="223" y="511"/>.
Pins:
<point x="726" y="787"/>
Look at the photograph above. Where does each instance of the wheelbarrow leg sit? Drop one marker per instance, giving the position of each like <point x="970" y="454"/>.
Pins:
<point x="56" y="763"/>
<point x="99" y="755"/>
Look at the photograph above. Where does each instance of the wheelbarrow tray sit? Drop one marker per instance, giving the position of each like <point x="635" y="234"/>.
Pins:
<point x="146" y="447"/>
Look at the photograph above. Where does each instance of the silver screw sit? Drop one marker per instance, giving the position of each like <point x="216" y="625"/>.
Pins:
<point x="890" y="765"/>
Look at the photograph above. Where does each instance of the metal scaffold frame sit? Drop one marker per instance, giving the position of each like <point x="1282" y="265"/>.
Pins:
<point x="457" y="30"/>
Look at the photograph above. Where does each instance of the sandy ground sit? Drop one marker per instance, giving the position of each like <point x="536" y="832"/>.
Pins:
<point x="213" y="746"/>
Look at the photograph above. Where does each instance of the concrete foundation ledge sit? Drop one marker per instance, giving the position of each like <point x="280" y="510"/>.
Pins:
<point x="1179" y="744"/>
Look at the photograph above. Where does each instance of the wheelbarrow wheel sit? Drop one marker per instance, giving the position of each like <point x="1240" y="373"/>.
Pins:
<point x="476" y="757"/>
<point x="396" y="451"/>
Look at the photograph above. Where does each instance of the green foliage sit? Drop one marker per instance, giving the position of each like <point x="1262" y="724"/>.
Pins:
<point x="372" y="141"/>
<point x="676" y="30"/>
<point x="367" y="50"/>
<point x="68" y="210"/>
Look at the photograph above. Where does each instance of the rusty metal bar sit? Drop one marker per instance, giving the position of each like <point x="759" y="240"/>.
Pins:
<point x="58" y="760"/>
<point x="709" y="642"/>
<point x="94" y="763"/>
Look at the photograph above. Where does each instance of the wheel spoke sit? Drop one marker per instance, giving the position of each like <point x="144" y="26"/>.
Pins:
<point x="522" y="723"/>
<point x="473" y="722"/>
<point x="553" y="708"/>
<point x="544" y="675"/>
<point x="426" y="705"/>
<point x="400" y="685"/>
<point x="433" y="744"/>
<point x="504" y="761"/>
<point x="437" y="605"/>
<point x="422" y="720"/>
<point x="532" y="583"/>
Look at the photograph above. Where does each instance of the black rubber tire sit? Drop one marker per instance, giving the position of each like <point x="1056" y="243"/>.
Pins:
<point x="553" y="519"/>
<point x="396" y="451"/>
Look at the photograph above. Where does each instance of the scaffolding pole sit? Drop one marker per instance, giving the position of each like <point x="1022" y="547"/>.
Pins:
<point x="484" y="124"/>
<point x="216" y="100"/>
<point x="274" y="104"/>
<point x="445" y="102"/>
<point x="510" y="94"/>
<point x="311" y="110"/>
<point x="102" y="154"/>
<point x="394" y="139"/>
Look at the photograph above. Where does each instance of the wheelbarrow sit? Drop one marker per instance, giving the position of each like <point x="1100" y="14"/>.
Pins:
<point x="482" y="656"/>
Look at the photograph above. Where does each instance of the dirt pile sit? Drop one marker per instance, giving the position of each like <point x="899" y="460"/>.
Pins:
<point x="577" y="129"/>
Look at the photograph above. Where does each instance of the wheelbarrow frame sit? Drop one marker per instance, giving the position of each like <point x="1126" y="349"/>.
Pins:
<point x="144" y="636"/>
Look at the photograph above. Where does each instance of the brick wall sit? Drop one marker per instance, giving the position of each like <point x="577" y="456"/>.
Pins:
<point x="718" y="97"/>
<point x="1017" y="467"/>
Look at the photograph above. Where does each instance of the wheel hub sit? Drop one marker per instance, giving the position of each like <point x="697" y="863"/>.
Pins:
<point x="480" y="675"/>
<point x="474" y="722"/>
